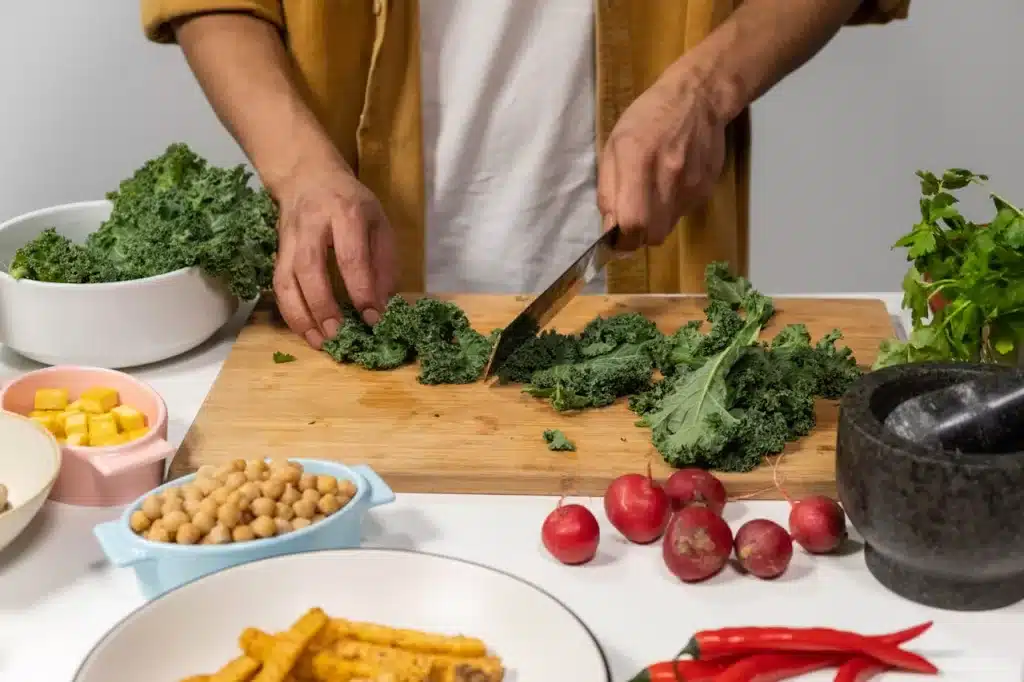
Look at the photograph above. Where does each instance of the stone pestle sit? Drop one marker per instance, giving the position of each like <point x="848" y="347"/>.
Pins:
<point x="981" y="415"/>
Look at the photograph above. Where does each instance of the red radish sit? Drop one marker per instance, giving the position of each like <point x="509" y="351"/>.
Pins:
<point x="638" y="507"/>
<point x="695" y="486"/>
<point x="571" y="534"/>
<point x="817" y="524"/>
<point x="697" y="544"/>
<point x="763" y="548"/>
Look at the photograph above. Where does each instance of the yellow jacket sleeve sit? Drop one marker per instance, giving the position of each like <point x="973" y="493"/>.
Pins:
<point x="880" y="12"/>
<point x="157" y="15"/>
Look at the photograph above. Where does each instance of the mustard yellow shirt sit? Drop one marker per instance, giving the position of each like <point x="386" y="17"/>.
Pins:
<point x="359" y="64"/>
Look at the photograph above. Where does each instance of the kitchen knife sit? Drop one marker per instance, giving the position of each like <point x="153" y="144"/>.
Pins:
<point x="551" y="301"/>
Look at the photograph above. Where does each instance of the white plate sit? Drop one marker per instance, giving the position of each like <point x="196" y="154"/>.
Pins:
<point x="194" y="629"/>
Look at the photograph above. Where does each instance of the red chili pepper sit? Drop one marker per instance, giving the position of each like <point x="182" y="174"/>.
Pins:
<point x="711" y="644"/>
<point x="683" y="670"/>
<point x="859" y="670"/>
<point x="776" y="667"/>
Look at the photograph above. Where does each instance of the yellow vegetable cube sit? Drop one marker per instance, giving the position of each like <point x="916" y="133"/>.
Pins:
<point x="109" y="440"/>
<point x="98" y="400"/>
<point x="79" y="439"/>
<point x="136" y="434"/>
<point x="74" y="406"/>
<point x="49" y="422"/>
<point x="76" y="423"/>
<point x="44" y="413"/>
<point x="128" y="418"/>
<point x="101" y="426"/>
<point x="51" y="399"/>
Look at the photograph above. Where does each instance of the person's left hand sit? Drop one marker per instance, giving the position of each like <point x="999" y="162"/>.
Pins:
<point x="661" y="161"/>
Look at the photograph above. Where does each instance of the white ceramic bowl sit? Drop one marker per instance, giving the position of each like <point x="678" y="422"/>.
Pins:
<point x="113" y="325"/>
<point x="29" y="463"/>
<point x="194" y="629"/>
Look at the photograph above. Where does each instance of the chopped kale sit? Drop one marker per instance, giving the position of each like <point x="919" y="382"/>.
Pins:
<point x="280" y="357"/>
<point x="557" y="440"/>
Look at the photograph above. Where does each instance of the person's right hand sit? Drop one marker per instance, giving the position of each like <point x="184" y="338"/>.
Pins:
<point x="320" y="209"/>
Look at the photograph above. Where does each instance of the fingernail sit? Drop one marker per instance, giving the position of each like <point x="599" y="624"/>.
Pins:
<point x="331" y="327"/>
<point x="371" y="316"/>
<point x="314" y="338"/>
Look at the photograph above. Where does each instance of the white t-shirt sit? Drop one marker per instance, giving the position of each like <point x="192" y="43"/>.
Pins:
<point x="509" y="155"/>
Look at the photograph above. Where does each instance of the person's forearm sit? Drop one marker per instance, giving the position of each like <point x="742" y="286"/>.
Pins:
<point x="241" y="64"/>
<point x="759" y="45"/>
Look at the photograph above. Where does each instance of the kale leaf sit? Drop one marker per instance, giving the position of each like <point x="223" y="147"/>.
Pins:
<point x="558" y="441"/>
<point x="176" y="211"/>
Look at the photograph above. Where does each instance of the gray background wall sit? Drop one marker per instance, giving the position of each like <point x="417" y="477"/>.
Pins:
<point x="84" y="100"/>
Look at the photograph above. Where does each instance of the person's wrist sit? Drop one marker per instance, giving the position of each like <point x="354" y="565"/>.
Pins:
<point x="707" y="73"/>
<point x="308" y="160"/>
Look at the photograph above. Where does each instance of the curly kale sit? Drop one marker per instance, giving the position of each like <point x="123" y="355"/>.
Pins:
<point x="558" y="441"/>
<point x="437" y="333"/>
<point x="176" y="211"/>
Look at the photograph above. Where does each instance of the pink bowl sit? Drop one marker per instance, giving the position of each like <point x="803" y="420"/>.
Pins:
<point x="100" y="476"/>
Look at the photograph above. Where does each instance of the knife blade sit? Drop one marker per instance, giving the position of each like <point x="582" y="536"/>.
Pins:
<point x="551" y="301"/>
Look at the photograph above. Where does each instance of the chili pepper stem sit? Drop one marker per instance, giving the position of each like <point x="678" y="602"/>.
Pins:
<point x="692" y="649"/>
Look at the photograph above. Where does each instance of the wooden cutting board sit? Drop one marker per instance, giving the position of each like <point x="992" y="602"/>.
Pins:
<point x="482" y="438"/>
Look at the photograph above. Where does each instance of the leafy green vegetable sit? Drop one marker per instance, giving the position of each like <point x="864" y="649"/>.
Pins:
<point x="280" y="357"/>
<point x="724" y="401"/>
<point x="176" y="211"/>
<point x="977" y="269"/>
<point x="557" y="440"/>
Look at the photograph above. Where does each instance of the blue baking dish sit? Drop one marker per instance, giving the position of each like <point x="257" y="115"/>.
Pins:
<point x="161" y="566"/>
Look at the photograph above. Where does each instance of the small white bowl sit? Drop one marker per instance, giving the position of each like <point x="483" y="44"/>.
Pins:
<point x="112" y="325"/>
<point x="29" y="463"/>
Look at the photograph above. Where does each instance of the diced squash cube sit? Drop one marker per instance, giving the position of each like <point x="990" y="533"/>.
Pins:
<point x="79" y="439"/>
<point x="136" y="434"/>
<point x="76" y="423"/>
<point x="51" y="399"/>
<point x="128" y="418"/>
<point x="98" y="400"/>
<point x="44" y="413"/>
<point x="101" y="426"/>
<point x="74" y="406"/>
<point x="109" y="440"/>
<point x="49" y="422"/>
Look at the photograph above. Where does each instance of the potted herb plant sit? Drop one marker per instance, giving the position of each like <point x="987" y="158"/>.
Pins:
<point x="965" y="286"/>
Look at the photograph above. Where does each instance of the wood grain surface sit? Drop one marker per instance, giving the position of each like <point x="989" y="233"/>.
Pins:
<point x="482" y="438"/>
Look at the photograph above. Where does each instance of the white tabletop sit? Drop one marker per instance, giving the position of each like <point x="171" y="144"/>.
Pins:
<point x="58" y="595"/>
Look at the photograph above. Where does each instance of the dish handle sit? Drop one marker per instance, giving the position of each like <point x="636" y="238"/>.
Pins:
<point x="112" y="464"/>
<point x="380" y="492"/>
<point x="112" y="541"/>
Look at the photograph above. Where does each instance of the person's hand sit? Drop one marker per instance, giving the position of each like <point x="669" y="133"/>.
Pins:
<point x="662" y="160"/>
<point x="324" y="208"/>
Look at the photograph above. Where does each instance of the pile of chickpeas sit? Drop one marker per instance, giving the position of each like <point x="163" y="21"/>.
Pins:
<point x="240" y="501"/>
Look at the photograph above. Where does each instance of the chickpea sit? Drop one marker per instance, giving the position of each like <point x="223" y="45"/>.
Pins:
<point x="171" y="494"/>
<point x="291" y="495"/>
<point x="207" y="485"/>
<point x="242" y="534"/>
<point x="220" y="495"/>
<point x="236" y="499"/>
<point x="300" y="523"/>
<point x="218" y="535"/>
<point x="251" y="489"/>
<point x="311" y="494"/>
<point x="229" y="516"/>
<point x="191" y="491"/>
<point x="263" y="506"/>
<point x="139" y="522"/>
<point x="307" y="482"/>
<point x="288" y="474"/>
<point x="188" y="534"/>
<point x="328" y="504"/>
<point x="246" y="517"/>
<point x="206" y="471"/>
<point x="317" y="518"/>
<point x="172" y="505"/>
<point x="238" y="464"/>
<point x="234" y="480"/>
<point x="255" y="469"/>
<point x="304" y="509"/>
<point x="282" y="526"/>
<point x="346" y="488"/>
<point x="272" y="489"/>
<point x="151" y="507"/>
<point x="158" y="534"/>
<point x="326" y="485"/>
<point x="263" y="527"/>
<point x="208" y="506"/>
<point x="204" y="522"/>
<point x="191" y="507"/>
<point x="284" y="511"/>
<point x="174" y="520"/>
<point x="221" y="474"/>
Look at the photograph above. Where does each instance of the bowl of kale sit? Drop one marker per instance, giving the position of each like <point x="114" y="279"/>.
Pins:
<point x="149" y="273"/>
